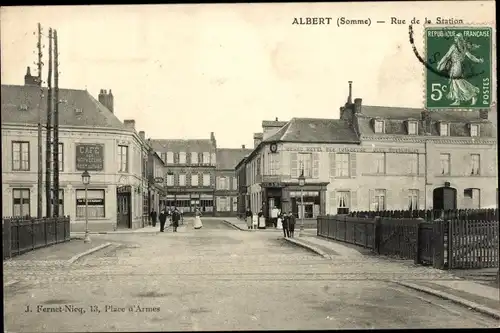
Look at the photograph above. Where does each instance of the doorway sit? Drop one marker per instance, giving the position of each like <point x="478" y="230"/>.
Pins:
<point x="123" y="195"/>
<point x="444" y="198"/>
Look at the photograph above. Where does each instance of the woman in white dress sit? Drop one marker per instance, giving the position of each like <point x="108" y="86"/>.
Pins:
<point x="197" y="219"/>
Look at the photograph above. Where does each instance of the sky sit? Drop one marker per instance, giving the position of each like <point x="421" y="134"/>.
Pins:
<point x="183" y="71"/>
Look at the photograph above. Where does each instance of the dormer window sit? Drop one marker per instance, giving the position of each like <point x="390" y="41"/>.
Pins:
<point x="412" y="127"/>
<point x="23" y="107"/>
<point x="444" y="129"/>
<point x="78" y="110"/>
<point x="378" y="126"/>
<point x="474" y="130"/>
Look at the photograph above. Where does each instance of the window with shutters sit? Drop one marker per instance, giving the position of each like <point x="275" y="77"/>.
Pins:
<point x="170" y="180"/>
<point x="413" y="199"/>
<point x="294" y="169"/>
<point x="182" y="157"/>
<point x="222" y="183"/>
<point x="194" y="180"/>
<point x="123" y="158"/>
<point x="205" y="158"/>
<point x="170" y="157"/>
<point x="194" y="158"/>
<point x="213" y="159"/>
<point x="444" y="160"/>
<point x="412" y="127"/>
<point x="342" y="165"/>
<point x="182" y="179"/>
<point x="379" y="200"/>
<point x="305" y="164"/>
<point x="379" y="126"/>
<point x="235" y="184"/>
<point x="21" y="202"/>
<point x="379" y="159"/>
<point x="474" y="130"/>
<point x="475" y="164"/>
<point x="443" y="129"/>
<point x="206" y="180"/>
<point x="343" y="202"/>
<point x="20" y="156"/>
<point x="60" y="158"/>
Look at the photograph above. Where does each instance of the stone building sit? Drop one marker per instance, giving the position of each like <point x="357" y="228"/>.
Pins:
<point x="226" y="190"/>
<point x="375" y="158"/>
<point x="90" y="137"/>
<point x="241" y="176"/>
<point x="189" y="173"/>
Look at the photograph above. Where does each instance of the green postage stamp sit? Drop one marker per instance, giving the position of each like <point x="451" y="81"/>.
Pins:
<point x="458" y="75"/>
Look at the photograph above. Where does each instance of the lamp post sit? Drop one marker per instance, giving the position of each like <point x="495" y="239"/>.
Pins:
<point x="302" y="182"/>
<point x="86" y="181"/>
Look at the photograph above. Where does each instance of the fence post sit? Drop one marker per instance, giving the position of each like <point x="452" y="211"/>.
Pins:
<point x="45" y="230"/>
<point x="32" y="233"/>
<point x="438" y="245"/>
<point x="317" y="225"/>
<point x="7" y="238"/>
<point x="417" y="247"/>
<point x="377" y="234"/>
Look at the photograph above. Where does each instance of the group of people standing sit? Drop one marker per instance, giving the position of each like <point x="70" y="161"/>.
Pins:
<point x="279" y="220"/>
<point x="174" y="216"/>
<point x="288" y="222"/>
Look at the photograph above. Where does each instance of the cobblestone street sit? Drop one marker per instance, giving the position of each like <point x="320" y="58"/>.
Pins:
<point x="219" y="278"/>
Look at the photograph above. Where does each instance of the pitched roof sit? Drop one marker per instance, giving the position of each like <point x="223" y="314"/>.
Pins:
<point x="273" y="123"/>
<point x="93" y="114"/>
<point x="316" y="130"/>
<point x="178" y="145"/>
<point x="395" y="121"/>
<point x="228" y="158"/>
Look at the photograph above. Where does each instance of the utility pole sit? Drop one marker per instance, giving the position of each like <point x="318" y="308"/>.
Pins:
<point x="40" y="144"/>
<point x="56" y="127"/>
<point x="48" y="149"/>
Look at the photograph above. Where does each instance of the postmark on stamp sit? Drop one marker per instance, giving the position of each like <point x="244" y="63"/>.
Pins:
<point x="458" y="74"/>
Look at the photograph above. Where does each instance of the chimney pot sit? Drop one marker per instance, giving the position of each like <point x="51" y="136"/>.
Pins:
<point x="276" y="118"/>
<point x="243" y="146"/>
<point x="349" y="97"/>
<point x="110" y="92"/>
<point x="142" y="134"/>
<point x="357" y="105"/>
<point x="129" y="123"/>
<point x="28" y="70"/>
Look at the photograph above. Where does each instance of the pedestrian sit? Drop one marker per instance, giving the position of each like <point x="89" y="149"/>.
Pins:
<point x="163" y="219"/>
<point x="261" y="220"/>
<point x="291" y="224"/>
<point x="285" y="225"/>
<point x="153" y="216"/>
<point x="274" y="216"/>
<point x="197" y="219"/>
<point x="248" y="216"/>
<point x="176" y="216"/>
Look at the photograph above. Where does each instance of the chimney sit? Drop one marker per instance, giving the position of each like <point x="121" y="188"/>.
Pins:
<point x="110" y="101"/>
<point x="242" y="146"/>
<point x="257" y="139"/>
<point x="276" y="119"/>
<point x="483" y="114"/>
<point x="129" y="123"/>
<point x="106" y="99"/>
<point x="357" y="105"/>
<point x="30" y="80"/>
<point x="142" y="134"/>
<point x="212" y="138"/>
<point x="349" y="98"/>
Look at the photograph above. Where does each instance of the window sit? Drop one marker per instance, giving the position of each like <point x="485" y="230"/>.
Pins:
<point x="474" y="130"/>
<point x="223" y="205"/>
<point x="95" y="199"/>
<point x="170" y="157"/>
<point x="222" y="183"/>
<point x="445" y="163"/>
<point x="379" y="126"/>
<point x="182" y="180"/>
<point x="194" y="180"/>
<point x="123" y="158"/>
<point x="206" y="180"/>
<point x="213" y="159"/>
<point x="305" y="163"/>
<point x="342" y="165"/>
<point x="164" y="157"/>
<point x="443" y="129"/>
<point x="379" y="163"/>
<point x="235" y="204"/>
<point x="60" y="159"/>
<point x="413" y="164"/>
<point x="378" y="203"/>
<point x="20" y="156"/>
<point x="170" y="180"/>
<point x="273" y="165"/>
<point x="412" y="127"/>
<point x="21" y="202"/>
<point x="194" y="158"/>
<point x="471" y="198"/>
<point x="182" y="157"/>
<point x="235" y="184"/>
<point x="413" y="200"/>
<point x="61" y="201"/>
<point x="475" y="163"/>
<point x="205" y="158"/>
<point x="343" y="202"/>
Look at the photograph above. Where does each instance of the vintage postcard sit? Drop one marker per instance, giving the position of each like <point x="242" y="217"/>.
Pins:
<point x="252" y="166"/>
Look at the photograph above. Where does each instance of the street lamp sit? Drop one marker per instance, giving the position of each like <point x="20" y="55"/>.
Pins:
<point x="302" y="182"/>
<point x="86" y="181"/>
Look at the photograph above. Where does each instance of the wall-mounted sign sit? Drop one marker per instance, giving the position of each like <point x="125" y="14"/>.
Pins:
<point x="401" y="150"/>
<point x="158" y="180"/>
<point x="91" y="202"/>
<point x="272" y="185"/>
<point x="124" y="189"/>
<point x="89" y="157"/>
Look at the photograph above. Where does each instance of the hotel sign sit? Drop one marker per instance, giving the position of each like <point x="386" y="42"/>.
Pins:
<point x="89" y="157"/>
<point x="401" y="150"/>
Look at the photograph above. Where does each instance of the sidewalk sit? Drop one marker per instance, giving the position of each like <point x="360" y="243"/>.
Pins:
<point x="242" y="225"/>
<point x="146" y="229"/>
<point x="460" y="288"/>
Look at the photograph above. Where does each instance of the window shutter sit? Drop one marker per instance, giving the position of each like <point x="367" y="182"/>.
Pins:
<point x="421" y="199"/>
<point x="332" y="165"/>
<point x="293" y="165"/>
<point x="353" y="162"/>
<point x="333" y="204"/>
<point x="354" y="201"/>
<point x="217" y="203"/>
<point x="388" y="200"/>
<point x="371" y="195"/>
<point x="315" y="162"/>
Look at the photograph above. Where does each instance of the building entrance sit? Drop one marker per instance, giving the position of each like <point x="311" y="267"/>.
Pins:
<point x="123" y="196"/>
<point x="444" y="198"/>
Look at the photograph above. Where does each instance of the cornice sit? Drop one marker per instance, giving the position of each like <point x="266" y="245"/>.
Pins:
<point x="442" y="140"/>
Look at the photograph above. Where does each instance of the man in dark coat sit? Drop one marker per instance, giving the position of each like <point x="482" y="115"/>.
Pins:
<point x="291" y="224"/>
<point x="176" y="216"/>
<point x="163" y="219"/>
<point x="284" y="220"/>
<point x="153" y="217"/>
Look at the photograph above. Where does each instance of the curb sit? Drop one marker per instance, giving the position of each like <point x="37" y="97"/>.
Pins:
<point x="308" y="247"/>
<point x="92" y="250"/>
<point x="10" y="283"/>
<point x="235" y="226"/>
<point x="455" y="299"/>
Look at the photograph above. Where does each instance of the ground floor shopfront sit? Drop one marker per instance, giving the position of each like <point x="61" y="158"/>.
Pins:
<point x="188" y="202"/>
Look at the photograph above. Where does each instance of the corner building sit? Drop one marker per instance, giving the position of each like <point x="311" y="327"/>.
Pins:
<point x="374" y="158"/>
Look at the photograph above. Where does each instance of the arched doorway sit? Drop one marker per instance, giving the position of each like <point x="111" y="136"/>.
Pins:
<point x="444" y="197"/>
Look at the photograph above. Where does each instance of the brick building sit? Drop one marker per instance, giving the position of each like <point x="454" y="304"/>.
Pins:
<point x="375" y="158"/>
<point x="226" y="190"/>
<point x="189" y="173"/>
<point x="117" y="179"/>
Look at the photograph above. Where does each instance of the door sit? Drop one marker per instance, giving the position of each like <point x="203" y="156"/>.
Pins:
<point x="123" y="214"/>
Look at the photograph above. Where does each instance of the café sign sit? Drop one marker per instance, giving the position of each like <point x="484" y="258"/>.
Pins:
<point x="89" y="156"/>
<point x="319" y="149"/>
